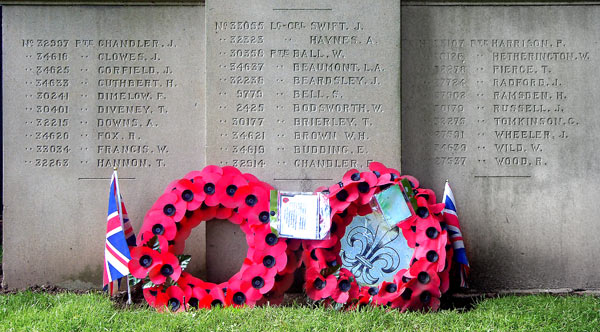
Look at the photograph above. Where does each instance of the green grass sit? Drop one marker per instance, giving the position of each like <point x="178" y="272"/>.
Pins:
<point x="27" y="311"/>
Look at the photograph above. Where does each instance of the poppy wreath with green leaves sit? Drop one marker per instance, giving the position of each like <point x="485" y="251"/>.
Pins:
<point x="418" y="287"/>
<point x="212" y="193"/>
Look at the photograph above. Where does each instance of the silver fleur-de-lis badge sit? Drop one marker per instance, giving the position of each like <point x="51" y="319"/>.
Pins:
<point x="373" y="251"/>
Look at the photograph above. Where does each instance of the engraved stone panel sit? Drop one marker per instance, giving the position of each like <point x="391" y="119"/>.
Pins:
<point x="502" y="101"/>
<point x="300" y="92"/>
<point x="88" y="88"/>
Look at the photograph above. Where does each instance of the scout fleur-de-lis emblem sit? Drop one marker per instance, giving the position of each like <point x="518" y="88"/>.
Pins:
<point x="372" y="251"/>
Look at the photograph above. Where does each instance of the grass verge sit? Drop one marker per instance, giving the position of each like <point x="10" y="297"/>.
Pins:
<point x="28" y="311"/>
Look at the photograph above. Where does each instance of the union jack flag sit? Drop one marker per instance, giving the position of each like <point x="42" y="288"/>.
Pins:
<point x="116" y="250"/>
<point x="456" y="238"/>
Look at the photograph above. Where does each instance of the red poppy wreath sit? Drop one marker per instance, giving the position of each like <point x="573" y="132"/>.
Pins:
<point x="221" y="193"/>
<point x="426" y="276"/>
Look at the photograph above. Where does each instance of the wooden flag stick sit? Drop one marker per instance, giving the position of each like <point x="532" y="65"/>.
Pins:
<point x="129" y="302"/>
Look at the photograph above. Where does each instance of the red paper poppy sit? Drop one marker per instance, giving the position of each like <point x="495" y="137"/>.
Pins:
<point x="217" y="295"/>
<point x="223" y="212"/>
<point x="169" y="268"/>
<point x="430" y="236"/>
<point x="192" y="193"/>
<point x="278" y="262"/>
<point x="348" y="214"/>
<point x="366" y="294"/>
<point x="227" y="187"/>
<point x="317" y="286"/>
<point x="186" y="280"/>
<point x="265" y="240"/>
<point x="321" y="258"/>
<point x="325" y="243"/>
<point x="351" y="176"/>
<point x="143" y="259"/>
<point x="409" y="231"/>
<point x="250" y="177"/>
<point x="197" y="298"/>
<point x="384" y="175"/>
<point x="210" y="188"/>
<point x="151" y="295"/>
<point x="283" y="282"/>
<point x="414" y="182"/>
<point x="171" y="206"/>
<point x="436" y="255"/>
<point x="206" y="212"/>
<point x="173" y="301"/>
<point x="340" y="197"/>
<point x="388" y="291"/>
<point x="252" y="199"/>
<point x="345" y="289"/>
<point x="211" y="169"/>
<point x="420" y="265"/>
<point x="338" y="226"/>
<point x="171" y="186"/>
<point x="192" y="176"/>
<point x="240" y="293"/>
<point x="421" y="299"/>
<point x="260" y="278"/>
<point x="149" y="239"/>
<point x="159" y="224"/>
<point x="192" y="219"/>
<point x="366" y="187"/>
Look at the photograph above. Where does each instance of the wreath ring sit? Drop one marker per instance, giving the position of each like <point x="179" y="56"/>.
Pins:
<point x="418" y="287"/>
<point x="212" y="193"/>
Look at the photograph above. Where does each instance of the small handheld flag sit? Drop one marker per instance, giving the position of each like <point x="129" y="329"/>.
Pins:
<point x="116" y="250"/>
<point x="456" y="238"/>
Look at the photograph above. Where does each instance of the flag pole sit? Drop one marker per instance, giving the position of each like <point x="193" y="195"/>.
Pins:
<point x="122" y="226"/>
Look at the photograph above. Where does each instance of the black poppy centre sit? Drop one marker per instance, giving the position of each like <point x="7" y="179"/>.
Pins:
<point x="146" y="261"/>
<point x="239" y="298"/>
<point x="169" y="210"/>
<point x="258" y="282"/>
<point x="263" y="216"/>
<point x="158" y="229"/>
<point x="174" y="304"/>
<point x="187" y="195"/>
<point x="364" y="187"/>
<point x="373" y="291"/>
<point x="231" y="189"/>
<point x="193" y="302"/>
<point x="166" y="270"/>
<point x="251" y="200"/>
<point x="320" y="283"/>
<point x="432" y="233"/>
<point x="391" y="288"/>
<point x="271" y="239"/>
<point x="209" y="188"/>
<point x="269" y="261"/>
<point x="344" y="285"/>
<point x="342" y="195"/>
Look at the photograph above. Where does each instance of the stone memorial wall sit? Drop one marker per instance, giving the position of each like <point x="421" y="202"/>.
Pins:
<point x="87" y="89"/>
<point x="300" y="92"/>
<point x="499" y="100"/>
<point x="502" y="101"/>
